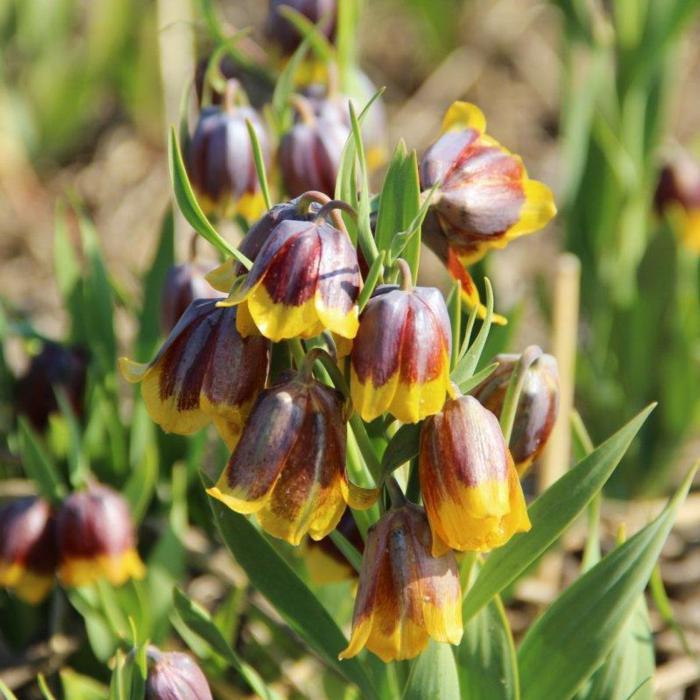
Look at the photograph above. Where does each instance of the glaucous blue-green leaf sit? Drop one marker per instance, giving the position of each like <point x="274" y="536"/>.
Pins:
<point x="433" y="675"/>
<point x="576" y="633"/>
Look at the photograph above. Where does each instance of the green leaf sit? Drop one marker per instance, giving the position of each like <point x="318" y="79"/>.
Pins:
<point x="570" y="640"/>
<point x="78" y="470"/>
<point x="38" y="464"/>
<point x="44" y="688"/>
<point x="311" y="33"/>
<point x="279" y="583"/>
<point x="550" y="515"/>
<point x="468" y="384"/>
<point x="98" y="302"/>
<point x="259" y="163"/>
<point x="280" y="108"/>
<point x="399" y="201"/>
<point x="143" y="458"/>
<point x="7" y="694"/>
<point x="189" y="206"/>
<point x="149" y="318"/>
<point x="630" y="663"/>
<point x="433" y="675"/>
<point x="373" y="276"/>
<point x="402" y="447"/>
<point x="199" y="621"/>
<point x="486" y="660"/>
<point x="79" y="687"/>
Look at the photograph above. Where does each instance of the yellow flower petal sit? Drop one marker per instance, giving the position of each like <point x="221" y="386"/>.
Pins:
<point x="133" y="372"/>
<point x="116" y="568"/>
<point x="463" y="115"/>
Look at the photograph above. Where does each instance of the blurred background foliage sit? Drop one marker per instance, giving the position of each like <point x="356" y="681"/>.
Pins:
<point x="595" y="96"/>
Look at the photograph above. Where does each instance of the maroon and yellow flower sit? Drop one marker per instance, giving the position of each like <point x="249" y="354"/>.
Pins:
<point x="220" y="159"/>
<point x="678" y="196"/>
<point x="173" y="675"/>
<point x="27" y="548"/>
<point x="305" y="279"/>
<point x="96" y="538"/>
<point x="484" y="198"/>
<point x="204" y="372"/>
<point x="400" y="360"/>
<point x="406" y="595"/>
<point x="470" y="487"/>
<point x="289" y="465"/>
<point x="537" y="406"/>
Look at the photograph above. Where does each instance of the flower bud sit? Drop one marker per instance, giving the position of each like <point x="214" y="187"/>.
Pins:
<point x="289" y="465"/>
<point x="204" y="372"/>
<point x="537" y="406"/>
<point x="325" y="562"/>
<point x="221" y="163"/>
<point x="470" y="488"/>
<point x="183" y="284"/>
<point x="173" y="675"/>
<point x="401" y="354"/>
<point x="285" y="35"/>
<point x="96" y="538"/>
<point x="305" y="279"/>
<point x="678" y="196"/>
<point x="309" y="154"/>
<point x="406" y="595"/>
<point x="27" y="548"/>
<point x="55" y="367"/>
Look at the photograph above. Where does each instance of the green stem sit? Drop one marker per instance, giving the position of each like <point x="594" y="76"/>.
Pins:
<point x="296" y="348"/>
<point x="515" y="386"/>
<point x="366" y="447"/>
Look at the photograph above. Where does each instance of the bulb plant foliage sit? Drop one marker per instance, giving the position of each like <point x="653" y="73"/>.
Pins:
<point x="320" y="411"/>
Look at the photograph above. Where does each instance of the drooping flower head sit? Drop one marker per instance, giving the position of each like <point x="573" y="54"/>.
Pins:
<point x="220" y="159"/>
<point x="537" y="406"/>
<point x="183" y="284"/>
<point x="406" y="595"/>
<point x="204" y="372"/>
<point x="55" y="367"/>
<point x="305" y="278"/>
<point x="173" y="675"/>
<point x="678" y="196"/>
<point x="28" y="556"/>
<point x="310" y="152"/>
<point x="470" y="487"/>
<point x="96" y="540"/>
<point x="484" y="198"/>
<point x="289" y="465"/>
<point x="285" y="35"/>
<point x="401" y="354"/>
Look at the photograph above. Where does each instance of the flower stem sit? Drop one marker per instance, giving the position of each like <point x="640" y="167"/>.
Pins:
<point x="515" y="386"/>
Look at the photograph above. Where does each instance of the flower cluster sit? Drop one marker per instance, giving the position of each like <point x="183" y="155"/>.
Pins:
<point x="89" y="537"/>
<point x="295" y="345"/>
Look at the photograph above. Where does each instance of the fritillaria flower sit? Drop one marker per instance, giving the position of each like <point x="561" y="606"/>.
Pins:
<point x="55" y="367"/>
<point x="325" y="562"/>
<point x="173" y="675"/>
<point x="96" y="540"/>
<point x="289" y="465"/>
<point x="310" y="152"/>
<point x="220" y="159"/>
<point x="678" y="195"/>
<point x="305" y="278"/>
<point x="470" y="487"/>
<point x="204" y="372"/>
<point x="27" y="548"/>
<point x="401" y="355"/>
<point x="183" y="284"/>
<point x="406" y="595"/>
<point x="484" y="197"/>
<point x="285" y="35"/>
<point x="537" y="406"/>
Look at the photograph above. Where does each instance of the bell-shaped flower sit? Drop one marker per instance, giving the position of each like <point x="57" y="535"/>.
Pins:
<point x="470" y="487"/>
<point x="406" y="595"/>
<point x="204" y="372"/>
<point x="400" y="359"/>
<point x="27" y="548"/>
<point x="182" y="285"/>
<point x="484" y="197"/>
<point x="173" y="675"/>
<point x="305" y="278"/>
<point x="289" y="465"/>
<point x="220" y="159"/>
<point x="537" y="406"/>
<point x="96" y="539"/>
